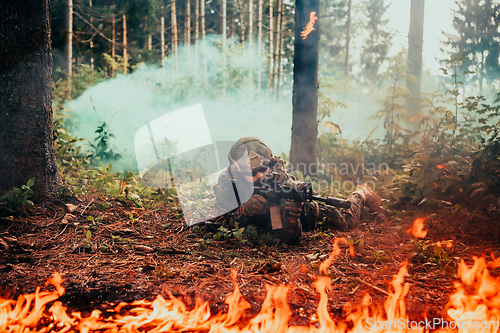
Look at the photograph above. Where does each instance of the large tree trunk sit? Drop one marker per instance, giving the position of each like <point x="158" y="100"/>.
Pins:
<point x="303" y="153"/>
<point x="415" y="41"/>
<point x="347" y="38"/>
<point x="69" y="46"/>
<point x="26" y="128"/>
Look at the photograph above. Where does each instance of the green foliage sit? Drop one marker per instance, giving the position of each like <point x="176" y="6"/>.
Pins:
<point x="17" y="199"/>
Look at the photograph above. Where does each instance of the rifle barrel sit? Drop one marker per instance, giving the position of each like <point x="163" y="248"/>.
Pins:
<point x="331" y="201"/>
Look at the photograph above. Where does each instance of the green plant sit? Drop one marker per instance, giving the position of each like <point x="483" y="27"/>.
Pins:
<point x="17" y="199"/>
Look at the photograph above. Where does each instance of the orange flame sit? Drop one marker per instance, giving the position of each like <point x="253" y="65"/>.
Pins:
<point x="475" y="305"/>
<point x="309" y="26"/>
<point x="417" y="228"/>
<point x="440" y="166"/>
<point x="449" y="244"/>
<point x="335" y="253"/>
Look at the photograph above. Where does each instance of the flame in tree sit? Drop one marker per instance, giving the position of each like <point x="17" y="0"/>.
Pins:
<point x="309" y="26"/>
<point x="476" y="302"/>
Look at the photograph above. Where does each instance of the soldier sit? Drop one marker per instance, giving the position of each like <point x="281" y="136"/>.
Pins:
<point x="295" y="216"/>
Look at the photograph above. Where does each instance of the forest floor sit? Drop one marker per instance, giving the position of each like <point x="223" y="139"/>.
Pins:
<point x="134" y="253"/>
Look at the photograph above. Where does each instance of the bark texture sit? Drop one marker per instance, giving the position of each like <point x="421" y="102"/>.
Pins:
<point x="415" y="42"/>
<point x="26" y="123"/>
<point x="303" y="153"/>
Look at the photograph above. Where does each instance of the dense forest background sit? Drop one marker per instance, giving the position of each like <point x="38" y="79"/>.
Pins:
<point x="123" y="63"/>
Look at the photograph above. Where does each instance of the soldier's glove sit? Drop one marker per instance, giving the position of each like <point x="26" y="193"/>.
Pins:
<point x="256" y="205"/>
<point x="294" y="209"/>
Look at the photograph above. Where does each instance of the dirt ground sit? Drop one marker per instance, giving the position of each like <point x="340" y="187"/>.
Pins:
<point x="109" y="251"/>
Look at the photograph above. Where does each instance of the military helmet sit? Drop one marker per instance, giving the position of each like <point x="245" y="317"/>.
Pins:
<point x="255" y="147"/>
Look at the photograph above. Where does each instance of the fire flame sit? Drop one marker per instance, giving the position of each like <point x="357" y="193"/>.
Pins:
<point x="475" y="305"/>
<point x="309" y="26"/>
<point x="417" y="228"/>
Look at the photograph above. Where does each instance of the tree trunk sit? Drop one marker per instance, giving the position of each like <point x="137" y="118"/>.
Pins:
<point x="278" y="79"/>
<point x="259" y="44"/>
<point x="250" y="22"/>
<point x="277" y="64"/>
<point x="415" y="41"/>
<point x="187" y="40"/>
<point x="242" y="21"/>
<point x="196" y="28"/>
<point x="174" y="36"/>
<point x="113" y="43"/>
<point x="150" y="42"/>
<point x="91" y="40"/>
<point x="125" y="55"/>
<point x="224" y="29"/>
<point x="26" y="128"/>
<point x="347" y="38"/>
<point x="69" y="46"/>
<point x="205" y="75"/>
<point x="162" y="36"/>
<point x="303" y="153"/>
<point x="202" y="9"/>
<point x="271" y="42"/>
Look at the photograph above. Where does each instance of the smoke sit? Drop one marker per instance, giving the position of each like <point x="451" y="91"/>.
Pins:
<point x="198" y="75"/>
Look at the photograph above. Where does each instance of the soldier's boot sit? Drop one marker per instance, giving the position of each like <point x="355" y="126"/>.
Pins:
<point x="370" y="199"/>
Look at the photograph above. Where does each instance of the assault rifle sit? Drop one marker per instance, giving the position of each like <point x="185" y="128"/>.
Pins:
<point x="274" y="187"/>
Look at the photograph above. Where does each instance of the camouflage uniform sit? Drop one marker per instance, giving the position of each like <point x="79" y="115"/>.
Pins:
<point x="313" y="214"/>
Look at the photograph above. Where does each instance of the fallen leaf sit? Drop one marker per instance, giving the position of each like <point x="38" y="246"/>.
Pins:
<point x="143" y="248"/>
<point x="71" y="208"/>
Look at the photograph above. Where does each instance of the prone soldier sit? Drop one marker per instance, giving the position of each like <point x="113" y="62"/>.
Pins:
<point x="285" y="216"/>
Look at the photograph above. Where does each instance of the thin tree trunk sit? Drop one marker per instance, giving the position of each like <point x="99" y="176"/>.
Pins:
<point x="347" y="38"/>
<point x="197" y="25"/>
<point x="250" y="39"/>
<point x="280" y="55"/>
<point x="26" y="123"/>
<point x="202" y="8"/>
<point x="174" y="36"/>
<point x="250" y="22"/>
<point x="271" y="41"/>
<point x="125" y="55"/>
<point x="415" y="41"/>
<point x="303" y="153"/>
<point x="224" y="29"/>
<point x="233" y="24"/>
<point x="69" y="46"/>
<point x="150" y="42"/>
<point x="242" y="22"/>
<point x="162" y="36"/>
<point x="91" y="40"/>
<point x="187" y="40"/>
<point x="259" y="43"/>
<point x="278" y="51"/>
<point x="113" y="44"/>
